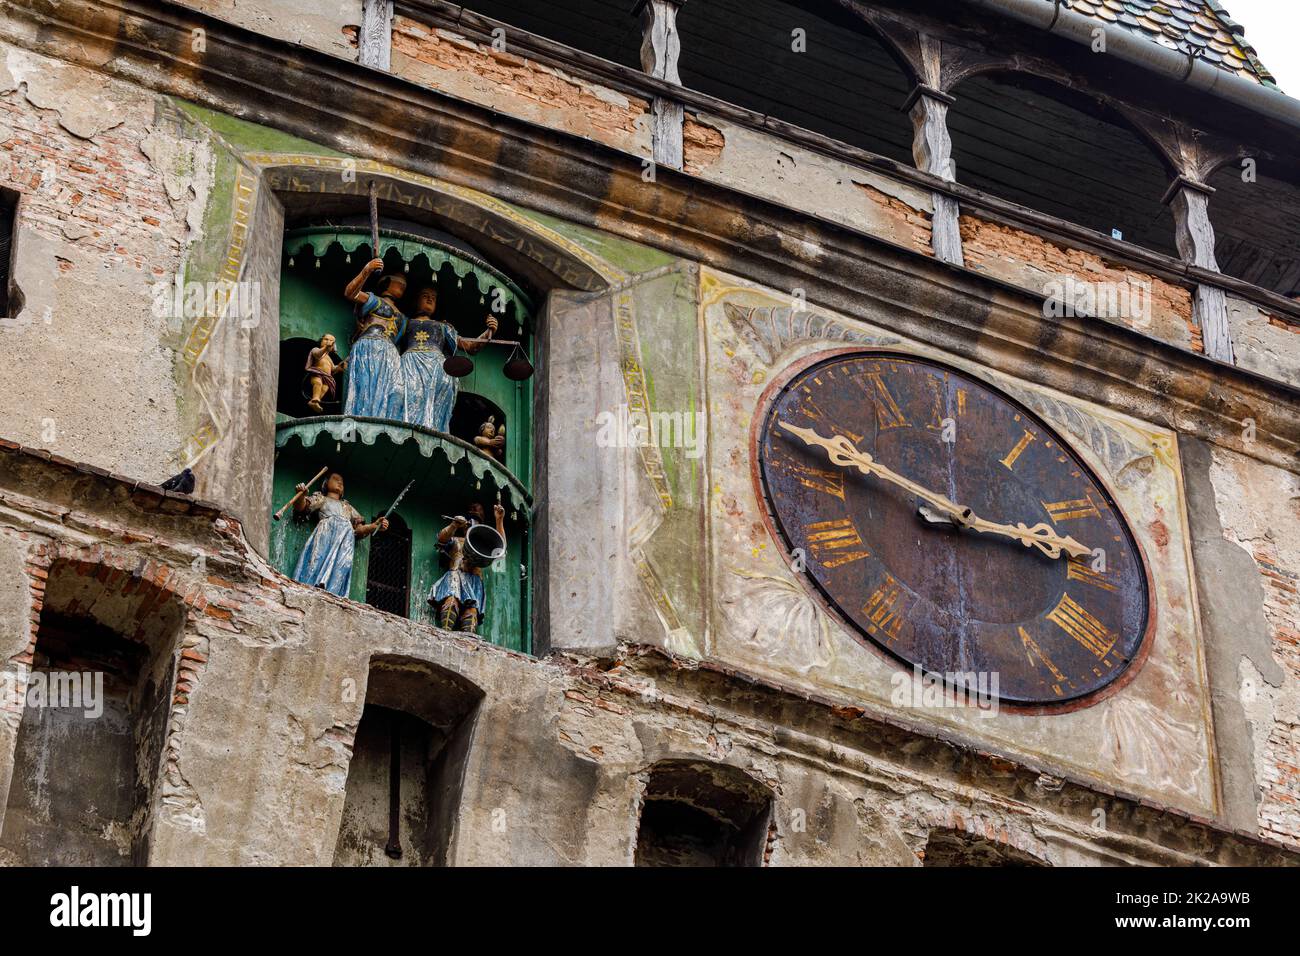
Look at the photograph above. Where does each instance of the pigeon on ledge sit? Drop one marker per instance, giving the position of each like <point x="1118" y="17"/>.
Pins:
<point x="183" y="483"/>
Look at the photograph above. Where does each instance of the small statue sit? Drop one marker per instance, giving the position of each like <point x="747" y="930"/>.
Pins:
<point x="459" y="595"/>
<point x="326" y="560"/>
<point x="492" y="439"/>
<point x="375" y="379"/>
<point x="322" y="367"/>
<point x="427" y="393"/>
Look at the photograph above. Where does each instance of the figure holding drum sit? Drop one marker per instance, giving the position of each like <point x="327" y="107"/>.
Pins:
<point x="467" y="545"/>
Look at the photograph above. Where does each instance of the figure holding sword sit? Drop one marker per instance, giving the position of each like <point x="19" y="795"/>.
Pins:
<point x="326" y="561"/>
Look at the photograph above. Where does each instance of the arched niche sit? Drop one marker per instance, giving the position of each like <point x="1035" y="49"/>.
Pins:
<point x="408" y="764"/>
<point x="1255" y="211"/>
<point x="335" y="189"/>
<point x="88" y="761"/>
<point x="377" y="460"/>
<point x="1057" y="151"/>
<point x="948" y="847"/>
<point x="472" y="411"/>
<point x="696" y="813"/>
<point x="321" y="259"/>
<point x="421" y="220"/>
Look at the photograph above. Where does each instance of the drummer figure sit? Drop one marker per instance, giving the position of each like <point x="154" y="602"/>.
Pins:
<point x="459" y="596"/>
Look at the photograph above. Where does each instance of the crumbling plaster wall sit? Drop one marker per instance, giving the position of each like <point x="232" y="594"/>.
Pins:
<point x="1264" y="343"/>
<point x="321" y="24"/>
<point x="123" y="197"/>
<point x="559" y="755"/>
<point x="506" y="81"/>
<point x="763" y="164"/>
<point x="89" y="366"/>
<point x="1259" y="511"/>
<point x="1034" y="263"/>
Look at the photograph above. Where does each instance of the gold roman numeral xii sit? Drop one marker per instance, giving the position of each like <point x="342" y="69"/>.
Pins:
<point x="888" y="414"/>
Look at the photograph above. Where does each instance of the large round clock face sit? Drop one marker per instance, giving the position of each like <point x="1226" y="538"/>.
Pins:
<point x="951" y="528"/>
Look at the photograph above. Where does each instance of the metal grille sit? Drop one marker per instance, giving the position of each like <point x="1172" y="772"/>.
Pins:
<point x="388" y="579"/>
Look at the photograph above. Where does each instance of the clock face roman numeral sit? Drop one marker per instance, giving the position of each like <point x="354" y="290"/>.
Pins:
<point x="1036" y="657"/>
<point x="861" y="519"/>
<point x="810" y="409"/>
<point x="1072" y="618"/>
<point x="886" y="609"/>
<point x="1015" y="453"/>
<point x="818" y="479"/>
<point x="1080" y="569"/>
<point x="888" y="414"/>
<point x="1070" y="510"/>
<point x="835" y="543"/>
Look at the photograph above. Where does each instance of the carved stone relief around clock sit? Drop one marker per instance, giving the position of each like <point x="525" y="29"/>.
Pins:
<point x="857" y="548"/>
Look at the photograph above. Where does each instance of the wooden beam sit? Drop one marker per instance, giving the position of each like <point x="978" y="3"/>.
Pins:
<point x="375" y="38"/>
<point x="932" y="152"/>
<point x="660" y="50"/>
<point x="1194" y="235"/>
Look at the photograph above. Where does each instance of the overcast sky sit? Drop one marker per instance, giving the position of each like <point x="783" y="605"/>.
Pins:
<point x="1273" y="28"/>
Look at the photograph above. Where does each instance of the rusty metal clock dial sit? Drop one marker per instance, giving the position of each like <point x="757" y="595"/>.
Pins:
<point x="952" y="528"/>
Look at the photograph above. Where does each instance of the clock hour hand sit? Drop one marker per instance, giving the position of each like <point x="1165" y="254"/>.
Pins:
<point x="1041" y="536"/>
<point x="930" y="516"/>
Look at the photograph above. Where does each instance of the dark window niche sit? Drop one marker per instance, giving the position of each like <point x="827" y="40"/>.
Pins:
<point x="10" y="298"/>
<point x="957" y="848"/>
<point x="86" y="780"/>
<point x="408" y="765"/>
<point x="700" y="814"/>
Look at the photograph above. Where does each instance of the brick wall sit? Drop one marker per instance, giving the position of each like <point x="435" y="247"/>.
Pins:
<point x="97" y="227"/>
<point x="504" y="80"/>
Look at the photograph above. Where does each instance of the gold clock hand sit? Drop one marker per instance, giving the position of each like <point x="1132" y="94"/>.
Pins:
<point x="1041" y="536"/>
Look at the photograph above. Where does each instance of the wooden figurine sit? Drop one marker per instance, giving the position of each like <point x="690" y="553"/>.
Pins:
<point x="427" y="392"/>
<point x="492" y="439"/>
<point x="323" y="365"/>
<point x="375" y="376"/>
<point x="326" y="560"/>
<point x="467" y="545"/>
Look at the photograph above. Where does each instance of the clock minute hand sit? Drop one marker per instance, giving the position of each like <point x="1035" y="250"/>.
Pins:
<point x="842" y="452"/>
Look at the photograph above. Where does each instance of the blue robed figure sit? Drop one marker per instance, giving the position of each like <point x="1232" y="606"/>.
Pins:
<point x="326" y="560"/>
<point x="427" y="394"/>
<point x="459" y="597"/>
<point x="374" y="364"/>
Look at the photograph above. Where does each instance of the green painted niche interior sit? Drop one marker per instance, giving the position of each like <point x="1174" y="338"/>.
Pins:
<point x="377" y="458"/>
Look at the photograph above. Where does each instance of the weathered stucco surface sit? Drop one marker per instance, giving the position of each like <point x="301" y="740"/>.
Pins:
<point x="1264" y="343"/>
<point x="1260" y="512"/>
<point x="560" y="749"/>
<point x="96" y="229"/>
<point x="1034" y="263"/>
<point x="504" y="80"/>
<point x="763" y="164"/>
<point x="660" y="582"/>
<point x="316" y="23"/>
